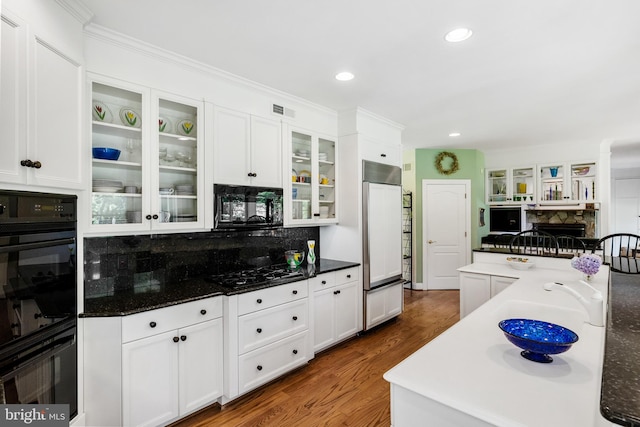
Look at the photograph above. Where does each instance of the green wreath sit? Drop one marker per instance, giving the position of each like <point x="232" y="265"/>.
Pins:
<point x="453" y="168"/>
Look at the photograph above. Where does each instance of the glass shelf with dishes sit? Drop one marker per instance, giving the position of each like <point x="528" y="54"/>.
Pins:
<point x="145" y="171"/>
<point x="512" y="186"/>
<point x="313" y="179"/>
<point x="574" y="182"/>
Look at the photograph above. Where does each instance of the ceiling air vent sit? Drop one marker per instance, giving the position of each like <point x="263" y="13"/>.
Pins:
<point x="282" y="111"/>
<point x="407" y="167"/>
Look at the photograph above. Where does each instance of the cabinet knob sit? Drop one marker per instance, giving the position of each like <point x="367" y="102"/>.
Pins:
<point x="316" y="214"/>
<point x="26" y="163"/>
<point x="148" y="217"/>
<point x="176" y="339"/>
<point x="37" y="164"/>
<point x="155" y="216"/>
<point x="183" y="337"/>
<point x="203" y="312"/>
<point x="295" y="351"/>
<point x="295" y="318"/>
<point x="259" y="330"/>
<point x="348" y="276"/>
<point x="383" y="155"/>
<point x="295" y="292"/>
<point x="259" y="300"/>
<point x="324" y="282"/>
<point x="153" y="324"/>
<point x="30" y="164"/>
<point x="259" y="367"/>
<point x="336" y="292"/>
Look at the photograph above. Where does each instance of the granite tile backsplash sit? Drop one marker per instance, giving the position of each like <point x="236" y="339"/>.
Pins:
<point x="149" y="263"/>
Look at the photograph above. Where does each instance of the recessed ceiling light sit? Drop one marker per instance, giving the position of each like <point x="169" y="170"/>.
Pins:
<point x="454" y="134"/>
<point x="344" y="76"/>
<point x="458" y="35"/>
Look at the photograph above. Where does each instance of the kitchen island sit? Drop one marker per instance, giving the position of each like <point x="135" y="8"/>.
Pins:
<point x="472" y="376"/>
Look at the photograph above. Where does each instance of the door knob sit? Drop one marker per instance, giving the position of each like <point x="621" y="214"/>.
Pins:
<point x="431" y="241"/>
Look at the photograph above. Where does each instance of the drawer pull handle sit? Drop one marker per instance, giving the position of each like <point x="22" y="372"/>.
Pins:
<point x="259" y="367"/>
<point x="295" y="292"/>
<point x="259" y="300"/>
<point x="259" y="330"/>
<point x="203" y="312"/>
<point x="153" y="324"/>
<point x="336" y="292"/>
<point x="383" y="155"/>
<point x="176" y="339"/>
<point x="348" y="276"/>
<point x="295" y="318"/>
<point x="295" y="351"/>
<point x="183" y="337"/>
<point x="324" y="282"/>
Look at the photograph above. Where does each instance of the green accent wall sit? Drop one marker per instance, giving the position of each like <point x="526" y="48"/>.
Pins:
<point x="471" y="167"/>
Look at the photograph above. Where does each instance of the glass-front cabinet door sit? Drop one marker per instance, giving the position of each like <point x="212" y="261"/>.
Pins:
<point x="119" y="146"/>
<point x="497" y="185"/>
<point x="311" y="194"/>
<point x="514" y="186"/>
<point x="568" y="182"/>
<point x="177" y="185"/>
<point x="147" y="156"/>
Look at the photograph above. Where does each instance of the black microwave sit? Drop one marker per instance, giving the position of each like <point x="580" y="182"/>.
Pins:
<point x="506" y="219"/>
<point x="241" y="207"/>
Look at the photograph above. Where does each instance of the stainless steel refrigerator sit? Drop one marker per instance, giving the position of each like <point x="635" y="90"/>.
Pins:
<point x="382" y="242"/>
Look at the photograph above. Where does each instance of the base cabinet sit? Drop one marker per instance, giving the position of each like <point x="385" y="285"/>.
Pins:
<point x="267" y="335"/>
<point x="476" y="289"/>
<point x="335" y="307"/>
<point x="152" y="368"/>
<point x="383" y="304"/>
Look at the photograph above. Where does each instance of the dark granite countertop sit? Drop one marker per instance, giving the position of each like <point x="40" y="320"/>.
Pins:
<point x="620" y="395"/>
<point x="189" y="290"/>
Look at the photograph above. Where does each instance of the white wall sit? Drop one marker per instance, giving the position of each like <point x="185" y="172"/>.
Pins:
<point x="522" y="156"/>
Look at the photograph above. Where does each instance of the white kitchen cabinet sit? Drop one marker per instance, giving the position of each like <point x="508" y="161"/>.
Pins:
<point x="154" y="367"/>
<point x="311" y="192"/>
<point x="157" y="181"/>
<point x="335" y="307"/>
<point x="266" y="335"/>
<point x="512" y="186"/>
<point x="377" y="151"/>
<point x="476" y="289"/>
<point x="383" y="304"/>
<point x="247" y="149"/>
<point x="40" y="110"/>
<point x="563" y="183"/>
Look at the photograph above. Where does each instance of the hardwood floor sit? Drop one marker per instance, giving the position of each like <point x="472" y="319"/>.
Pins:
<point x="342" y="386"/>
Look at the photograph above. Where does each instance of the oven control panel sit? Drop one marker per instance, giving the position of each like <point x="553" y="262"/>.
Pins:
<point x="36" y="207"/>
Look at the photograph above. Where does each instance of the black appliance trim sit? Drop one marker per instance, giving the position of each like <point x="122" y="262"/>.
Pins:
<point x="27" y="342"/>
<point x="37" y="245"/>
<point x="24" y="362"/>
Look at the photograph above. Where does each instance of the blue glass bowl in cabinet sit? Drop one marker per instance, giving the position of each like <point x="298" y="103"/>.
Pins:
<point x="106" y="153"/>
<point x="538" y="339"/>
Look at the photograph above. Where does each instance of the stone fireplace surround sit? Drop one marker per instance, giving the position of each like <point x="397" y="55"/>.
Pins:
<point x="587" y="217"/>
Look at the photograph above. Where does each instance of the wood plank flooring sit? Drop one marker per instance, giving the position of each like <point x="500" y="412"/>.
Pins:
<point x="342" y="386"/>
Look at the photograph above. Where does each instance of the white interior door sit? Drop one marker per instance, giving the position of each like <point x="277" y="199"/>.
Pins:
<point x="446" y="212"/>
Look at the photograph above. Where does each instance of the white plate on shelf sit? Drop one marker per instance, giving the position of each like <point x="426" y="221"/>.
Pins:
<point x="186" y="128"/>
<point x="101" y="112"/>
<point x="164" y="125"/>
<point x="130" y="117"/>
<point x="107" y="189"/>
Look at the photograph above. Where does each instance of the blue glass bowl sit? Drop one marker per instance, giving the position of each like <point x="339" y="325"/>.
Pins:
<point x="538" y="339"/>
<point x="106" y="153"/>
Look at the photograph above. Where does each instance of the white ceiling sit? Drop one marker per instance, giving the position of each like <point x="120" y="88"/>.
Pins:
<point x="534" y="72"/>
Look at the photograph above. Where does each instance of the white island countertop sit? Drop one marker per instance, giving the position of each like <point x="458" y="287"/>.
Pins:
<point x="471" y="375"/>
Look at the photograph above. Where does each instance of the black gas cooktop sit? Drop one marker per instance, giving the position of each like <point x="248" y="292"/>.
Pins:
<point x="272" y="275"/>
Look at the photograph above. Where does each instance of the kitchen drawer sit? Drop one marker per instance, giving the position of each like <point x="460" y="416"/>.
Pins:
<point x="270" y="297"/>
<point x="154" y="322"/>
<point x="347" y="275"/>
<point x="264" y="327"/>
<point x="262" y="365"/>
<point x="322" y="281"/>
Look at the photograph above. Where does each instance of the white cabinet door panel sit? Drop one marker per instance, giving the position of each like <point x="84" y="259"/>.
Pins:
<point x="231" y="147"/>
<point x="385" y="233"/>
<point x="324" y="319"/>
<point x="266" y="152"/>
<point x="346" y="310"/>
<point x="150" y="380"/>
<point x="200" y="356"/>
<point x="475" y="290"/>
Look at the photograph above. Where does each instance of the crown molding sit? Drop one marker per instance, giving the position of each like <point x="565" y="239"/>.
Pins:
<point x="115" y="38"/>
<point x="359" y="111"/>
<point x="77" y="9"/>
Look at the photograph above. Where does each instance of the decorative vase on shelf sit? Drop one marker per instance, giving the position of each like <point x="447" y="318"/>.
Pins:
<point x="311" y="254"/>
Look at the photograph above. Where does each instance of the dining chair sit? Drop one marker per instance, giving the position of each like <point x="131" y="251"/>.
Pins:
<point x="502" y="241"/>
<point x="570" y="244"/>
<point x="620" y="251"/>
<point x="534" y="242"/>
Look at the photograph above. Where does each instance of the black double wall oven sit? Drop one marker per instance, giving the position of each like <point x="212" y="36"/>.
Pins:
<point x="38" y="357"/>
